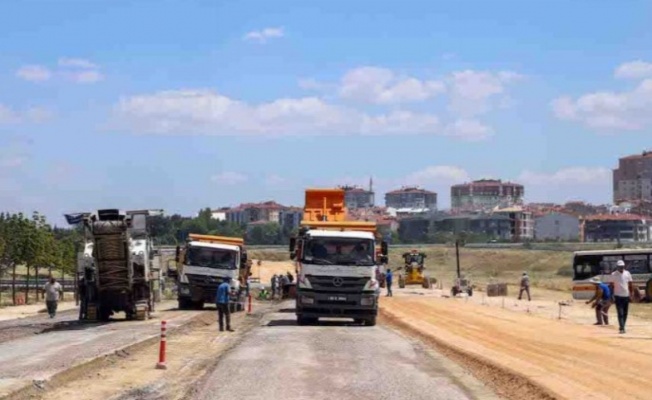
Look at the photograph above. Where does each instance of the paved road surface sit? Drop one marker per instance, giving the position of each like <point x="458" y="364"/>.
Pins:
<point x="38" y="357"/>
<point x="281" y="360"/>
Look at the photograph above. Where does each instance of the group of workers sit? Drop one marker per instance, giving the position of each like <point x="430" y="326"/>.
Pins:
<point x="620" y="293"/>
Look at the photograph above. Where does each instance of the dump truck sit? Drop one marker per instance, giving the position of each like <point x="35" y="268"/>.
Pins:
<point x="203" y="263"/>
<point x="115" y="269"/>
<point x="337" y="261"/>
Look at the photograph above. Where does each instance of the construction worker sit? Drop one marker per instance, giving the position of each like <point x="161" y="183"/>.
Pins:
<point x="222" y="303"/>
<point x="623" y="292"/>
<point x="525" y="286"/>
<point x="388" y="281"/>
<point x="602" y="299"/>
<point x="52" y="291"/>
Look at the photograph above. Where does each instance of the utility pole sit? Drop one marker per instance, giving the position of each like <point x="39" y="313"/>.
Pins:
<point x="457" y="256"/>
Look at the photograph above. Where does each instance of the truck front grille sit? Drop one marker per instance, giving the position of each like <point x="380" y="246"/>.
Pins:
<point x="329" y="283"/>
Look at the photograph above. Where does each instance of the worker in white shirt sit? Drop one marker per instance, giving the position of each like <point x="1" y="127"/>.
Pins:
<point x="623" y="292"/>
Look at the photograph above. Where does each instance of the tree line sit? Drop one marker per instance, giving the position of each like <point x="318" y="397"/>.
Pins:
<point x="29" y="245"/>
<point x="174" y="229"/>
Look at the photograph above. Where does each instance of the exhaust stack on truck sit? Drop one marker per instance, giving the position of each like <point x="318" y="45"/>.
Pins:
<point x="337" y="261"/>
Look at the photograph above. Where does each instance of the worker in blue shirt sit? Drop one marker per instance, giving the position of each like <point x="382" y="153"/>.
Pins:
<point x="222" y="303"/>
<point x="388" y="281"/>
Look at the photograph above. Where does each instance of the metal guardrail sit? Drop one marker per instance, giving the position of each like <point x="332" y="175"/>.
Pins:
<point x="67" y="284"/>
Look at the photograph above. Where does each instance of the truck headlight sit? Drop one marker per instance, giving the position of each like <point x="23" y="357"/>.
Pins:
<point x="307" y="300"/>
<point x="184" y="290"/>
<point x="367" y="301"/>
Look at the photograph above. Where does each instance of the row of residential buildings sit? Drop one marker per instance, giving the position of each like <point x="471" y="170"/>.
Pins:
<point x="490" y="207"/>
<point x="573" y="221"/>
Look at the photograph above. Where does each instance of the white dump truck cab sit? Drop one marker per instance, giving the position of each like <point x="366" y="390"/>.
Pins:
<point x="204" y="263"/>
<point x="337" y="263"/>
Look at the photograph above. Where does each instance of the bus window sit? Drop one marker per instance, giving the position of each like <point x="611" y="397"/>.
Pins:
<point x="586" y="267"/>
<point x="637" y="264"/>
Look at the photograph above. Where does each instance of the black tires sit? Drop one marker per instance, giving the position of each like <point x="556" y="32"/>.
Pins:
<point x="301" y="320"/>
<point x="370" y="321"/>
<point x="185" y="304"/>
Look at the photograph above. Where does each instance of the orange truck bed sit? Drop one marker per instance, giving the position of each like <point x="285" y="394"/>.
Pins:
<point x="325" y="209"/>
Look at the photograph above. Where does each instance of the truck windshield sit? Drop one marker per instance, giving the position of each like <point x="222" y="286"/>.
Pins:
<point x="340" y="251"/>
<point x="211" y="258"/>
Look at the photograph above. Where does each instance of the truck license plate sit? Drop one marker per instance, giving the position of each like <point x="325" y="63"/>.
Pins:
<point x="337" y="298"/>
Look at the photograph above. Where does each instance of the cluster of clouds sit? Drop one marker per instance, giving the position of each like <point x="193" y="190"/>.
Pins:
<point x="626" y="110"/>
<point x="339" y="108"/>
<point x="564" y="184"/>
<point x="71" y="69"/>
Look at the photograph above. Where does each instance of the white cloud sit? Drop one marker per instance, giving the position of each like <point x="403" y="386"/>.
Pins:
<point x="34" y="73"/>
<point x="469" y="130"/>
<point x="628" y="110"/>
<point x="592" y="184"/>
<point x="74" y="69"/>
<point x="210" y="113"/>
<point x="383" y="86"/>
<point x="264" y="35"/>
<point x="86" y="76"/>
<point x="471" y="90"/>
<point x="572" y="176"/>
<point x="9" y="115"/>
<point x="634" y="70"/>
<point x="437" y="175"/>
<point x="275" y="180"/>
<point x="229" y="178"/>
<point x="77" y="63"/>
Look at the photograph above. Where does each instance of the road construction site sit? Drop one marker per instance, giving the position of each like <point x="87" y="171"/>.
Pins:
<point x="426" y="345"/>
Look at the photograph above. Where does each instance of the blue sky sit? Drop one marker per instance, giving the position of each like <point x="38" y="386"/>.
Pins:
<point x="181" y="105"/>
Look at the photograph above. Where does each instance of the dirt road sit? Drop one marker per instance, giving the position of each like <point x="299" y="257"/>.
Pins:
<point x="571" y="361"/>
<point x="281" y="360"/>
<point x="36" y="358"/>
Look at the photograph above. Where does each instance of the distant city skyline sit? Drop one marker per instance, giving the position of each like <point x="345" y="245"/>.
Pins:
<point x="102" y="104"/>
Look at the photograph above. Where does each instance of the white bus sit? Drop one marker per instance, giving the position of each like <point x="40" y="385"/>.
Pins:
<point x="601" y="263"/>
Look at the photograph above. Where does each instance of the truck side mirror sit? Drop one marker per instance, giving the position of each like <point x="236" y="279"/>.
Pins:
<point x="384" y="260"/>
<point x="383" y="248"/>
<point x="243" y="257"/>
<point x="176" y="254"/>
<point x="424" y="255"/>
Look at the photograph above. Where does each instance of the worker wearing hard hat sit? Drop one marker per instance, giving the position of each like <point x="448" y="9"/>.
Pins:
<point x="623" y="291"/>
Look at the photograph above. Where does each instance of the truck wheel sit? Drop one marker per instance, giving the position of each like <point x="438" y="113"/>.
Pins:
<point x="185" y="304"/>
<point x="306" y="320"/>
<point x="198" y="305"/>
<point x="358" y="321"/>
<point x="454" y="291"/>
<point x="426" y="283"/>
<point x="370" y="321"/>
<point x="470" y="291"/>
